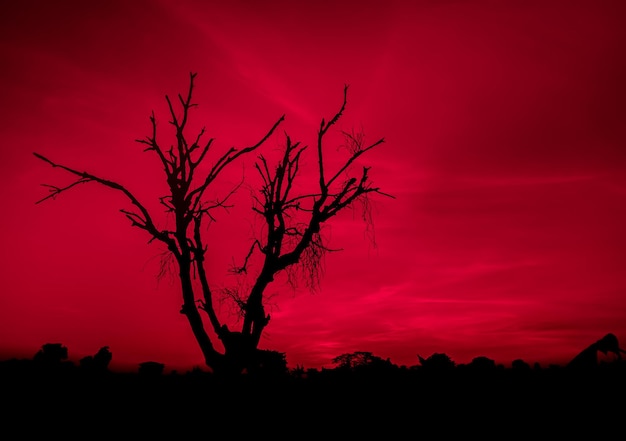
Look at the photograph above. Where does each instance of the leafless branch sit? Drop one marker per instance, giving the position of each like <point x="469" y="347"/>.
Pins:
<point x="324" y="127"/>
<point x="144" y="221"/>
<point x="285" y="245"/>
<point x="55" y="191"/>
<point x="195" y="195"/>
<point x="153" y="145"/>
<point x="243" y="269"/>
<point x="353" y="158"/>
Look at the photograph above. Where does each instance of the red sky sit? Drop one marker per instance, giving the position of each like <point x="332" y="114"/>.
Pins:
<point x="505" y="149"/>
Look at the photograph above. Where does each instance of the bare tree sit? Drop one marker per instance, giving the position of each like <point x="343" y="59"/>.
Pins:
<point x="291" y="237"/>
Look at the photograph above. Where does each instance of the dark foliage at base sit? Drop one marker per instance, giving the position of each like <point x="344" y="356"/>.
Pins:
<point x="363" y="396"/>
<point x="328" y="403"/>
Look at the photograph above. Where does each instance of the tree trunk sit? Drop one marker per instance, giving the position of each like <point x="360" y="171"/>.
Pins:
<point x="213" y="359"/>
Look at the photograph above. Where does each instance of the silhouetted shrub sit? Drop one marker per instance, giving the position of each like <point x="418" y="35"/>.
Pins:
<point x="98" y="362"/>
<point x="298" y="372"/>
<point x="520" y="365"/>
<point x="361" y="361"/>
<point x="482" y="363"/>
<point x="438" y="362"/>
<point x="51" y="354"/>
<point x="270" y="363"/>
<point x="151" y="368"/>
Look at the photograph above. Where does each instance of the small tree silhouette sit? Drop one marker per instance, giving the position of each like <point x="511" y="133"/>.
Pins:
<point x="151" y="369"/>
<point x="482" y="363"/>
<point x="98" y="362"/>
<point x="270" y="364"/>
<point x="360" y="361"/>
<point x="52" y="357"/>
<point x="437" y="362"/>
<point x="51" y="354"/>
<point x="293" y="220"/>
<point x="520" y="365"/>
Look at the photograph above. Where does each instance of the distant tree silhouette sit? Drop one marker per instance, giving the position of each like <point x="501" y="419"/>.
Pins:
<point x="51" y="354"/>
<point x="270" y="364"/>
<point x="360" y="361"/>
<point x="437" y="362"/>
<point x="482" y="363"/>
<point x="151" y="369"/>
<point x="98" y="362"/>
<point x="520" y="365"/>
<point x="291" y="240"/>
<point x="52" y="357"/>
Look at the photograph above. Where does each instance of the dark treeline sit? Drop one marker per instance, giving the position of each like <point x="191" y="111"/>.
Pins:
<point x="54" y="358"/>
<point x="362" y="395"/>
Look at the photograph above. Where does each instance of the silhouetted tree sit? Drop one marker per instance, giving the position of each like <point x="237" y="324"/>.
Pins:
<point x="51" y="354"/>
<point x="520" y="365"/>
<point x="151" y="368"/>
<point x="270" y="364"/>
<point x="98" y="362"/>
<point x="293" y="220"/>
<point x="482" y="363"/>
<point x="437" y="362"/>
<point x="52" y="357"/>
<point x="360" y="361"/>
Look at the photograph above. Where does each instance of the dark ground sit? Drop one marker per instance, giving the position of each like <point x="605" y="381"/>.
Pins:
<point x="495" y="404"/>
